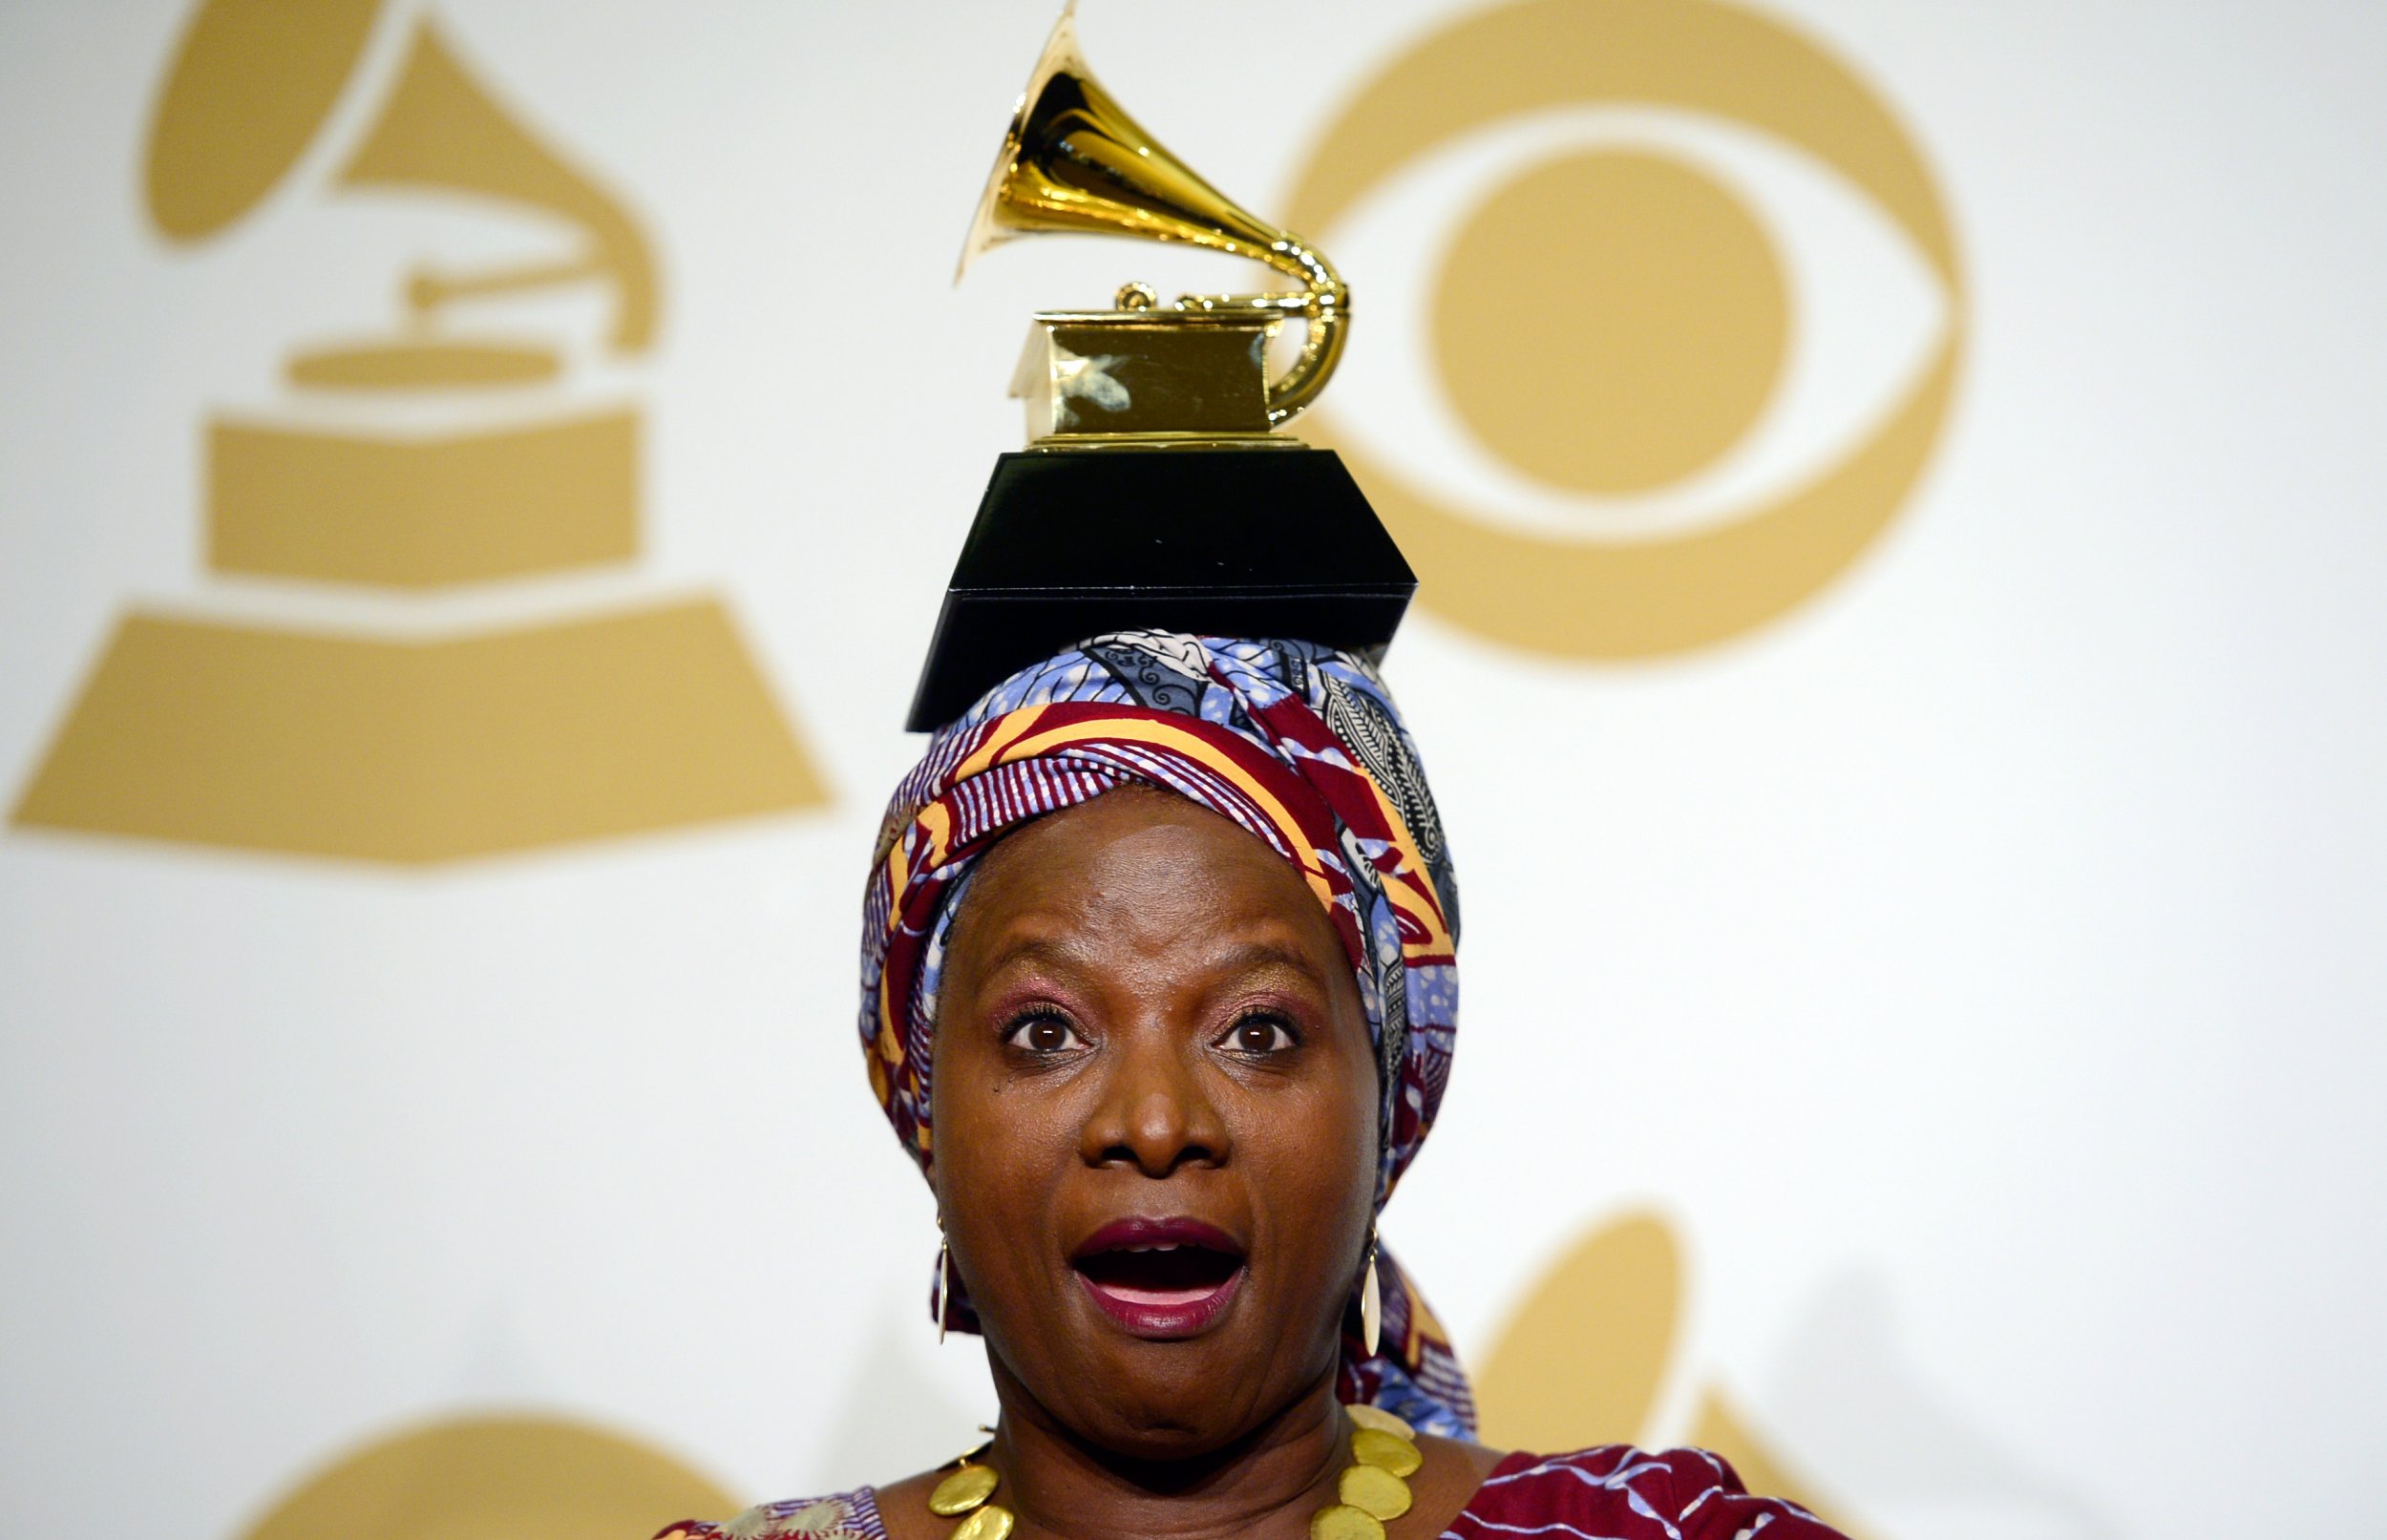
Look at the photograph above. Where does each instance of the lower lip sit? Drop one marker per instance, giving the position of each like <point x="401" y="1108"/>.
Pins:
<point x="1169" y="1322"/>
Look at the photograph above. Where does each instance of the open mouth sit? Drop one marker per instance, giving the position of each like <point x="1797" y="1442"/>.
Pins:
<point x="1163" y="1280"/>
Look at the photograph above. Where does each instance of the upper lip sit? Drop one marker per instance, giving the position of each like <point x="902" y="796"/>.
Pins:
<point x="1138" y="1232"/>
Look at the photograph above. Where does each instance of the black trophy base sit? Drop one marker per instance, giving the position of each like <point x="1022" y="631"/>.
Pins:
<point x="1248" y="542"/>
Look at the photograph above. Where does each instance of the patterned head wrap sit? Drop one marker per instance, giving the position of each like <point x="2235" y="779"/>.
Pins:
<point x="1298" y="745"/>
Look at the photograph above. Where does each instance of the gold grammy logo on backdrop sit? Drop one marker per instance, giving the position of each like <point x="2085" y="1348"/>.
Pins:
<point x="1584" y="1360"/>
<point x="1656" y="320"/>
<point x="502" y="1478"/>
<point x="412" y="749"/>
<point x="1599" y="1351"/>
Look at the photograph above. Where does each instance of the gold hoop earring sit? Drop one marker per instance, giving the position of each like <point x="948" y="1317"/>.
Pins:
<point x="944" y="1282"/>
<point x="1371" y="1301"/>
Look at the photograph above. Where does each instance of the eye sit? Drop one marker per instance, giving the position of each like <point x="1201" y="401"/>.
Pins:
<point x="1042" y="1032"/>
<point x="1837" y="318"/>
<point x="1665" y="319"/>
<point x="1259" y="1036"/>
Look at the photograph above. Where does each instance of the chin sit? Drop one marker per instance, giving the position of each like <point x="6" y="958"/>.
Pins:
<point x="1165" y="1401"/>
<point x="1168" y="1418"/>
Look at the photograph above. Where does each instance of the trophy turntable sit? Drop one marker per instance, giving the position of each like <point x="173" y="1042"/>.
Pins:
<point x="1155" y="489"/>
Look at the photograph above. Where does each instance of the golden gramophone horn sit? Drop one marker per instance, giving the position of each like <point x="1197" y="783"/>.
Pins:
<point x="255" y="81"/>
<point x="1074" y="161"/>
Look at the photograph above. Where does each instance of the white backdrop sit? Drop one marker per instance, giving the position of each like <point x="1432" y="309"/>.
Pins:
<point x="1978" y="967"/>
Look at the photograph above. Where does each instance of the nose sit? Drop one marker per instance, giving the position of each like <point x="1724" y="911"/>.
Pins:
<point x="1156" y="1111"/>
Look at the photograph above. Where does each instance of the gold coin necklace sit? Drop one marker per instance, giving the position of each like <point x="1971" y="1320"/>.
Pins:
<point x="964" y="1495"/>
<point x="1372" y="1490"/>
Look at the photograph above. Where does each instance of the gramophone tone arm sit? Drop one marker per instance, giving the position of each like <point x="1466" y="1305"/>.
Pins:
<point x="1324" y="302"/>
<point x="427" y="289"/>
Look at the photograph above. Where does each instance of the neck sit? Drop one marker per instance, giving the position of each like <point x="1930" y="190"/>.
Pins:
<point x="1267" y="1483"/>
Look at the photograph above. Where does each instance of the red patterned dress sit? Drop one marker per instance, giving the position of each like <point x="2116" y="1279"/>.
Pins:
<point x="1610" y="1493"/>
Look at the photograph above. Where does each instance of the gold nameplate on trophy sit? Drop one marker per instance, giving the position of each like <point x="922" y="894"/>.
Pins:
<point x="1146" y="374"/>
<point x="1141" y="372"/>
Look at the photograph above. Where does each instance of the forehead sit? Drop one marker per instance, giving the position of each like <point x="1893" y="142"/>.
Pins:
<point x="1138" y="859"/>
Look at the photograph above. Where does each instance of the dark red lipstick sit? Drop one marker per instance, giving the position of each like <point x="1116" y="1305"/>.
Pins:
<point x="1162" y="1280"/>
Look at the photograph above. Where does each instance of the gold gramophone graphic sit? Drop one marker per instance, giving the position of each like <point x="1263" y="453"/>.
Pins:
<point x="405" y="749"/>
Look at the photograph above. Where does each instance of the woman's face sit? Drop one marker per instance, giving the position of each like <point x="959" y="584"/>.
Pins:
<point x="1154" y="1104"/>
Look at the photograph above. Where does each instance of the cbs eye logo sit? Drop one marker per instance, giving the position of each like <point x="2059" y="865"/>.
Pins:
<point x="1682" y="343"/>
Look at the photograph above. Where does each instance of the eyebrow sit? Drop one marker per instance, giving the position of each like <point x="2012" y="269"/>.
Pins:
<point x="1249" y="956"/>
<point x="1032" y="949"/>
<point x="1242" y="956"/>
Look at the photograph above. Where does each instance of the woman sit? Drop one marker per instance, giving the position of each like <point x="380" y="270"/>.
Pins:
<point x="1159" y="990"/>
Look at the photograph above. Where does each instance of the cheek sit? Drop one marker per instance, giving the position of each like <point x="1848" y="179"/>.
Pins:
<point x="1001" y="1154"/>
<point x="1311" y="1159"/>
<point x="985" y="1140"/>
